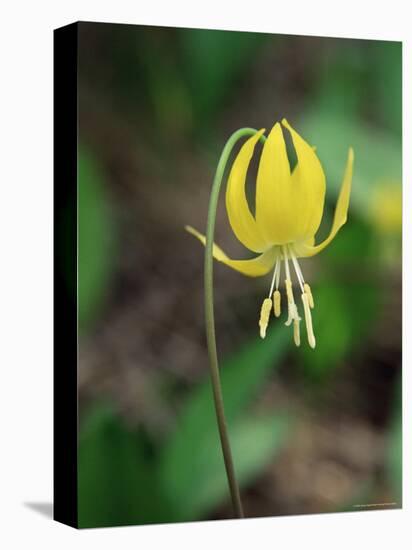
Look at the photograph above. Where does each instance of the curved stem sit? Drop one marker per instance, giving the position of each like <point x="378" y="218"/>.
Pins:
<point x="210" y="320"/>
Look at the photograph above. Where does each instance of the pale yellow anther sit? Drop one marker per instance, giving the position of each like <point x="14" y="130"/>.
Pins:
<point x="289" y="291"/>
<point x="308" y="320"/>
<point x="296" y="332"/>
<point x="264" y="316"/>
<point x="276" y="303"/>
<point x="310" y="296"/>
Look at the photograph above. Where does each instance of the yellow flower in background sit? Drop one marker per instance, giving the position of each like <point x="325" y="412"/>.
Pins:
<point x="385" y="207"/>
<point x="288" y="212"/>
<point x="385" y="214"/>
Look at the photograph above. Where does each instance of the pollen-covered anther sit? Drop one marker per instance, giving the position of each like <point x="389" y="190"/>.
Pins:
<point x="289" y="291"/>
<point x="264" y="316"/>
<point x="276" y="303"/>
<point x="309" y="294"/>
<point x="308" y="320"/>
<point x="296" y="331"/>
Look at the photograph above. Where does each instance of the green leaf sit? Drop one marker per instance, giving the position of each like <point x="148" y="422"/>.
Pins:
<point x="332" y="329"/>
<point x="342" y="317"/>
<point x="195" y="439"/>
<point x="213" y="61"/>
<point x="387" y="79"/>
<point x="201" y="483"/>
<point x="347" y="298"/>
<point x="117" y="483"/>
<point x="355" y="246"/>
<point x="241" y="375"/>
<point x="95" y="261"/>
<point x="341" y="78"/>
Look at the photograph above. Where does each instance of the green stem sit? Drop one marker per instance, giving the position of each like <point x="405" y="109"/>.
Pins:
<point x="210" y="320"/>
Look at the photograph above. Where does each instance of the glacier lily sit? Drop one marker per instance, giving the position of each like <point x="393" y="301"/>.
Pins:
<point x="288" y="212"/>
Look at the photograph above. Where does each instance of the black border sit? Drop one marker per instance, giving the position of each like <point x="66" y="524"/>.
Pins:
<point x="65" y="274"/>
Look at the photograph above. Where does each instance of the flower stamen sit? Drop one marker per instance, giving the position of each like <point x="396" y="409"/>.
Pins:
<point x="308" y="291"/>
<point x="298" y="271"/>
<point x="292" y="308"/>
<point x="307" y="299"/>
<point x="286" y="253"/>
<point x="264" y="316"/>
<point x="276" y="294"/>
<point x="308" y="320"/>
<point x="275" y="278"/>
<point x="296" y="332"/>
<point x="276" y="303"/>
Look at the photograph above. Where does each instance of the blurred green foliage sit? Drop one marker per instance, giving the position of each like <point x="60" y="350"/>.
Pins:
<point x="387" y="80"/>
<point x="213" y="63"/>
<point x="378" y="154"/>
<point x="125" y="479"/>
<point x="355" y="80"/>
<point x="173" y="84"/>
<point x="341" y="329"/>
<point x="196" y="438"/>
<point x="96" y="235"/>
<point x="117" y="478"/>
<point x="184" y="78"/>
<point x="346" y="286"/>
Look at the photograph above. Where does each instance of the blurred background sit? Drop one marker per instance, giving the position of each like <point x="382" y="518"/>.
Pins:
<point x="311" y="431"/>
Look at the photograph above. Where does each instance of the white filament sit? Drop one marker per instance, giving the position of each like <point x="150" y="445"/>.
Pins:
<point x="298" y="271"/>
<point x="275" y="277"/>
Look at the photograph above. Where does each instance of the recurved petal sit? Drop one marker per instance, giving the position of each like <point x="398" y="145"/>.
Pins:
<point x="275" y="214"/>
<point x="341" y="210"/>
<point x="309" y="185"/>
<point x="241" y="219"/>
<point x="255" y="267"/>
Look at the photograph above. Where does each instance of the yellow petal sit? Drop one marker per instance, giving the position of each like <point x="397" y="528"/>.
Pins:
<point x="309" y="185"/>
<point x="275" y="213"/>
<point x="253" y="268"/>
<point x="241" y="219"/>
<point x="341" y="211"/>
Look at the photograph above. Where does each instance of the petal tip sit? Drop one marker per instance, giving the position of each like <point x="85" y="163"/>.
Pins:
<point x="276" y="128"/>
<point x="259" y="133"/>
<point x="194" y="232"/>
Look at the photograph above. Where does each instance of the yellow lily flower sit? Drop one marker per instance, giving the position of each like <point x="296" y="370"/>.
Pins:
<point x="288" y="212"/>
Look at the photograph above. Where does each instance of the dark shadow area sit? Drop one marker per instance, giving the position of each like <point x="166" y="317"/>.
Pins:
<point x="43" y="508"/>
